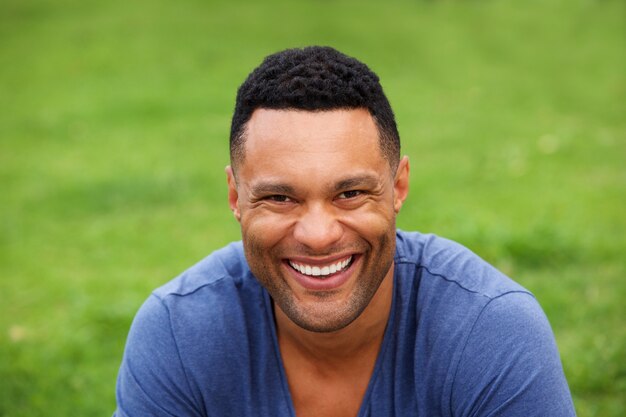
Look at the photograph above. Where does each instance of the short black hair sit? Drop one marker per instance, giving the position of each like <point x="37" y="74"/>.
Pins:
<point x="314" y="78"/>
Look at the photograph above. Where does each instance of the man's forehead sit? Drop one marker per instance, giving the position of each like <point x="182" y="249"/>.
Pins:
<point x="287" y="146"/>
<point x="314" y="129"/>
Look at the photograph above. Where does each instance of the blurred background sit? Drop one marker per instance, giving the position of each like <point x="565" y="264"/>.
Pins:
<point x="114" y="121"/>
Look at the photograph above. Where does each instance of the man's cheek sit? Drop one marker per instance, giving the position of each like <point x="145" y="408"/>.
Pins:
<point x="262" y="237"/>
<point x="369" y="223"/>
<point x="261" y="231"/>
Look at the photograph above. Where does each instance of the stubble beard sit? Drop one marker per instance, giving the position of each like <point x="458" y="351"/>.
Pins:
<point x="266" y="267"/>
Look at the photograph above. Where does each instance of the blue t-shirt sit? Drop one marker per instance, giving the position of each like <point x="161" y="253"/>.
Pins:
<point x="462" y="340"/>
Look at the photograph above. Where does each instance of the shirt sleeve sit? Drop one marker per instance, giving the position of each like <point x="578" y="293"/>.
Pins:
<point x="152" y="379"/>
<point x="510" y="365"/>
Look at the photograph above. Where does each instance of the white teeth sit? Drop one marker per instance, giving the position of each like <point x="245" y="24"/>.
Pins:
<point x="317" y="271"/>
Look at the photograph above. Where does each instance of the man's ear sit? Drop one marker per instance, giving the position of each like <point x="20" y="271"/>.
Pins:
<point x="233" y="195"/>
<point x="401" y="184"/>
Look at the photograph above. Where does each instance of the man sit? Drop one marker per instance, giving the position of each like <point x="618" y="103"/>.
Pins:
<point x="324" y="308"/>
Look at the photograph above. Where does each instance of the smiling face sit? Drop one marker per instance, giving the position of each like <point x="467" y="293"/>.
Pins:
<point x="317" y="203"/>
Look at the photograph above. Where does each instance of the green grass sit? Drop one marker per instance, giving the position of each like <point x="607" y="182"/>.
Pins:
<point x="113" y="137"/>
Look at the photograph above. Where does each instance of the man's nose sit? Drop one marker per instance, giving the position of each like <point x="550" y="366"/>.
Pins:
<point x="318" y="228"/>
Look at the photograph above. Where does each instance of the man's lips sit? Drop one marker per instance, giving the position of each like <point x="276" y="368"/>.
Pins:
<point x="318" y="276"/>
<point x="321" y="270"/>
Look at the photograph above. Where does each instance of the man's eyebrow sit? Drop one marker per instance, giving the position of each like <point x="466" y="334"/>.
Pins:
<point x="270" y="188"/>
<point x="365" y="180"/>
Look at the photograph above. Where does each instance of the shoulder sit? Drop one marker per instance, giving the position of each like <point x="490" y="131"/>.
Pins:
<point x="193" y="331"/>
<point x="486" y="336"/>
<point x="216" y="296"/>
<point x="204" y="312"/>
<point x="445" y="288"/>
<point x="510" y="363"/>
<point x="227" y="263"/>
<point x="452" y="286"/>
<point x="441" y="262"/>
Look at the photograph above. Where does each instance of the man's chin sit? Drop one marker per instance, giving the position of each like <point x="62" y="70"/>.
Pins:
<point x="322" y="316"/>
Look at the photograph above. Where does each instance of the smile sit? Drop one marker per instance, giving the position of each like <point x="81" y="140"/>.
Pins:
<point x="321" y="270"/>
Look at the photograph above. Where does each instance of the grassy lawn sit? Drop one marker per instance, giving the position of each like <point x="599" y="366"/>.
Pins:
<point x="113" y="138"/>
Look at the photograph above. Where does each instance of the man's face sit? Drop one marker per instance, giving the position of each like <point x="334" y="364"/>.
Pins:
<point x="317" y="203"/>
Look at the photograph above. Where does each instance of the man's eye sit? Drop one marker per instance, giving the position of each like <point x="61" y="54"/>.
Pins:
<point x="278" y="198"/>
<point x="350" y="194"/>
